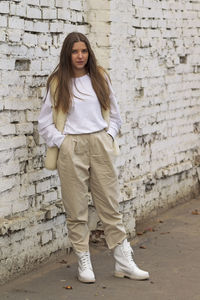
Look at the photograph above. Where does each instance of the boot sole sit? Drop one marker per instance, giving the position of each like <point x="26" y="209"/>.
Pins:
<point x="85" y="280"/>
<point x="125" y="275"/>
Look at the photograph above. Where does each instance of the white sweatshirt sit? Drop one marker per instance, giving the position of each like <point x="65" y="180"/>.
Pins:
<point x="84" y="116"/>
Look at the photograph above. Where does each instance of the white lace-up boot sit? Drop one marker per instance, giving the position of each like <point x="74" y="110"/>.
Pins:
<point x="85" y="271"/>
<point x="125" y="265"/>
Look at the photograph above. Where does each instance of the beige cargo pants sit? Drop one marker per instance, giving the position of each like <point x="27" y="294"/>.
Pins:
<point x="86" y="161"/>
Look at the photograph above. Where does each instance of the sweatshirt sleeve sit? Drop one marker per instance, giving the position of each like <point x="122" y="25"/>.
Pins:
<point x="52" y="136"/>
<point x="115" y="118"/>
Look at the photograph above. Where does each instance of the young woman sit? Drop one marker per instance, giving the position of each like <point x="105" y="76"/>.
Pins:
<point x="81" y="91"/>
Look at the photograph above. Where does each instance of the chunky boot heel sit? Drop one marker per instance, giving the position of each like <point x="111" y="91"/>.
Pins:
<point x="125" y="265"/>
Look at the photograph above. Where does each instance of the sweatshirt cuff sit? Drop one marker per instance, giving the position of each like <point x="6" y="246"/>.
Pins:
<point x="112" y="132"/>
<point x="59" y="141"/>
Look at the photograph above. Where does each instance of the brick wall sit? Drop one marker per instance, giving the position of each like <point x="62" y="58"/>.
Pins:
<point x="154" y="59"/>
<point x="151" y="49"/>
<point x="32" y="219"/>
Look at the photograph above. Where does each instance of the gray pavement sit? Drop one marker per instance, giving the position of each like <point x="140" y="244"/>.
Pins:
<point x="168" y="247"/>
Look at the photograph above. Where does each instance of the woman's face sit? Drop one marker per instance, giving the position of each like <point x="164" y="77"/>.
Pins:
<point x="79" y="58"/>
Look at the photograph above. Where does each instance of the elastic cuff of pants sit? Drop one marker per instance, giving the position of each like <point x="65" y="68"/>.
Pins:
<point x="111" y="247"/>
<point x="81" y="250"/>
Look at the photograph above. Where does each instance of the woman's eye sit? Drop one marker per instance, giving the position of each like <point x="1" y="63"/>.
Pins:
<point x="74" y="51"/>
<point x="84" y="51"/>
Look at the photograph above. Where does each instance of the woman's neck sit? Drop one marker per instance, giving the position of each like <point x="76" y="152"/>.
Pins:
<point x="79" y="73"/>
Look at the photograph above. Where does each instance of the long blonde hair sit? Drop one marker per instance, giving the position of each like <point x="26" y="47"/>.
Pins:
<point x="63" y="74"/>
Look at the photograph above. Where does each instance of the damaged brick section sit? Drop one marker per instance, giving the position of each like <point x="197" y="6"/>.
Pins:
<point x="22" y="64"/>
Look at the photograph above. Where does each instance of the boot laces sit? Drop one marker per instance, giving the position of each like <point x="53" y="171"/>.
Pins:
<point x="128" y="252"/>
<point x="85" y="261"/>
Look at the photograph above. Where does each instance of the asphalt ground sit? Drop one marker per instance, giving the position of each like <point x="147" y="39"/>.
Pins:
<point x="167" y="246"/>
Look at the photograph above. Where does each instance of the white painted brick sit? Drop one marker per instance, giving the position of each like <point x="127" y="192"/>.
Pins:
<point x="46" y="237"/>
<point x="24" y="128"/>
<point x="76" y="4"/>
<point x="140" y="33"/>
<point x="7" y="183"/>
<point x="56" y="27"/>
<point x="50" y="197"/>
<point x="4" y="118"/>
<point x="39" y="52"/>
<point x="27" y="190"/>
<point x="33" y="13"/>
<point x="41" y="27"/>
<point x="12" y="142"/>
<point x="7" y="64"/>
<point x="15" y="22"/>
<point x="21" y="10"/>
<point x="29" y="39"/>
<point x="14" y="35"/>
<point x="35" y="65"/>
<point x="49" y="13"/>
<point x="28" y="25"/>
<point x="101" y="16"/>
<point x="79" y="17"/>
<point x="8" y="196"/>
<point x="47" y="3"/>
<point x="32" y="116"/>
<point x="6" y="155"/>
<point x="2" y="35"/>
<point x="21" y="104"/>
<point x="44" y="39"/>
<point x="4" y="7"/>
<point x="7" y="129"/>
<point x="5" y="210"/>
<point x="47" y="63"/>
<point x="154" y="33"/>
<point x="52" y="212"/>
<point x="12" y="167"/>
<point x="59" y="3"/>
<point x="54" y="181"/>
<point x="43" y="186"/>
<point x="137" y="2"/>
<point x="33" y="2"/>
<point x="3" y="21"/>
<point x="55" y="52"/>
<point x="21" y="153"/>
<point x="17" y="10"/>
<point x="145" y="23"/>
<point x="63" y="14"/>
<point x="19" y="206"/>
<point x="4" y="91"/>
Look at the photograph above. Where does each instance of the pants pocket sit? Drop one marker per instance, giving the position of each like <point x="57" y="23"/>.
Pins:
<point x="110" y="139"/>
<point x="66" y="147"/>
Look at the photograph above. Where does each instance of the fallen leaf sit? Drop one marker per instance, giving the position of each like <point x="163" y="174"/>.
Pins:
<point x="67" y="287"/>
<point x="149" y="229"/>
<point x="140" y="233"/>
<point x="195" y="212"/>
<point x="143" y="247"/>
<point x="165" y="232"/>
<point x="63" y="262"/>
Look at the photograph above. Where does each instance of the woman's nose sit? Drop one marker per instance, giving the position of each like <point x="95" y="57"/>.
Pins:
<point x="80" y="54"/>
